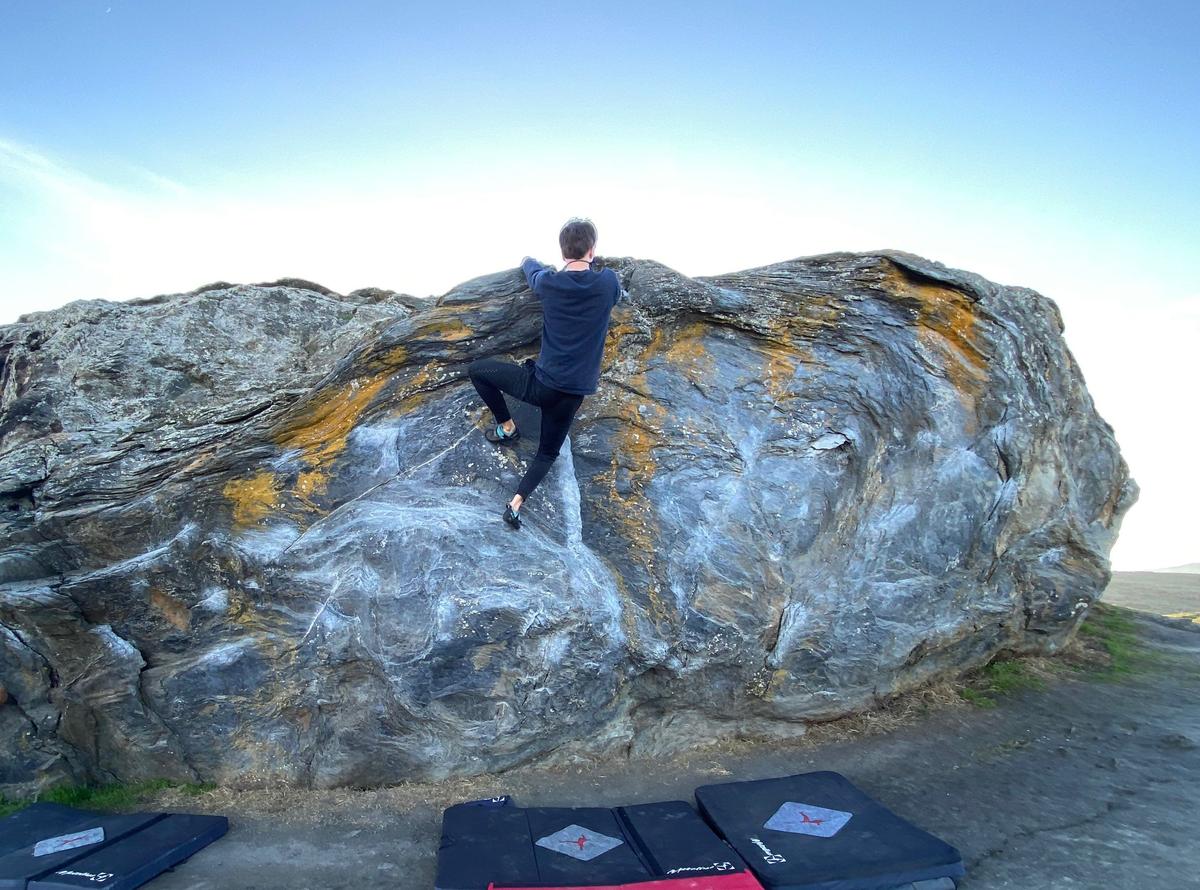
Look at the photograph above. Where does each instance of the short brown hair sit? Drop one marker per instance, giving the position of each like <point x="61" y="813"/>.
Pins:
<point x="577" y="237"/>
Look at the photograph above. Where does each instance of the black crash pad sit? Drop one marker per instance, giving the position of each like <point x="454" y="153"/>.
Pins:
<point x="493" y="843"/>
<point x="817" y="831"/>
<point x="61" y="847"/>
<point x="26" y="827"/>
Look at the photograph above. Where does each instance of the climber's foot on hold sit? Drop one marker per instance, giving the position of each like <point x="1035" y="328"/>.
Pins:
<point x="503" y="433"/>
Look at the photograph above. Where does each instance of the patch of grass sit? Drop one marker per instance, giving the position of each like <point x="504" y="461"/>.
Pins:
<point x="1106" y="647"/>
<point x="1008" y="676"/>
<point x="1111" y="629"/>
<point x="102" y="797"/>
<point x="8" y="807"/>
<point x="116" y="796"/>
<point x="977" y="698"/>
<point x="999" y="677"/>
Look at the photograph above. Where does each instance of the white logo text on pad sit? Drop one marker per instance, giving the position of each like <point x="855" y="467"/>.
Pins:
<point x="716" y="866"/>
<point x="98" y="877"/>
<point x="768" y="855"/>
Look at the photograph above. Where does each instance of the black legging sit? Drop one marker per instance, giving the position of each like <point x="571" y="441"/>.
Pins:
<point x="491" y="376"/>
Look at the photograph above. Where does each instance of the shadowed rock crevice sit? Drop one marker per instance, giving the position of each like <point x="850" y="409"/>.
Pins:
<point x="800" y="488"/>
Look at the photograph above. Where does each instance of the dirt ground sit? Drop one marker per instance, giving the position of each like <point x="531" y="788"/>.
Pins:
<point x="1090" y="781"/>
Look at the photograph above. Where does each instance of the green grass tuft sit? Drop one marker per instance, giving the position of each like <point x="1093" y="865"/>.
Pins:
<point x="977" y="698"/>
<point x="116" y="796"/>
<point x="1006" y="676"/>
<point x="1113" y="629"/>
<point x="999" y="677"/>
<point x="8" y="807"/>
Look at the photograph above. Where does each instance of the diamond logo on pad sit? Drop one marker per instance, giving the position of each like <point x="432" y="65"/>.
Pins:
<point x="579" y="843"/>
<point x="68" y="841"/>
<point x="803" y="818"/>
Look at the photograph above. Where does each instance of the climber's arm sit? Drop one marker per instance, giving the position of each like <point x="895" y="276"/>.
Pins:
<point x="534" y="273"/>
<point x="622" y="294"/>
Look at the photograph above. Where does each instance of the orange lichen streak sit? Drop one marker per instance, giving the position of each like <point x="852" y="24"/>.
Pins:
<point x="322" y="427"/>
<point x="946" y="322"/>
<point x="640" y="430"/>
<point x="632" y="352"/>
<point x="319" y="429"/>
<point x="253" y="498"/>
<point x="320" y="432"/>
<point x="778" y="369"/>
<point x="172" y="609"/>
<point x="795" y="321"/>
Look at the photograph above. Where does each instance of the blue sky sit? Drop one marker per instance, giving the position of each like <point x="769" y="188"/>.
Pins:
<point x="150" y="147"/>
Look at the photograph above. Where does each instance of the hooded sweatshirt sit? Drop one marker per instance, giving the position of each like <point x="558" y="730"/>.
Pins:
<point x="576" y="307"/>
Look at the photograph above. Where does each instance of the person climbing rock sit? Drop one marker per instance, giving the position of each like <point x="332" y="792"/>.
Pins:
<point x="577" y="302"/>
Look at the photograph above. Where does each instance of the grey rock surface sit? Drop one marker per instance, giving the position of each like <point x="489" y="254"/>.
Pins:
<point x="252" y="533"/>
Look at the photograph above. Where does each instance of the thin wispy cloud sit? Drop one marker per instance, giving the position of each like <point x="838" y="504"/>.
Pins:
<point x="116" y="240"/>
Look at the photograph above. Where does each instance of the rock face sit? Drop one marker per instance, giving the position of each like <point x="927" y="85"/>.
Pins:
<point x="253" y="532"/>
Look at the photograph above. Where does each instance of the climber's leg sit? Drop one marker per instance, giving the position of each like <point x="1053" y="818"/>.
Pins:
<point x="492" y="378"/>
<point x="558" y="410"/>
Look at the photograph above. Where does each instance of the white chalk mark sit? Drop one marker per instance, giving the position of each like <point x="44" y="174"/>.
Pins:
<point x="320" y="612"/>
<point x="450" y="448"/>
<point x="570" y="494"/>
<point x="590" y="577"/>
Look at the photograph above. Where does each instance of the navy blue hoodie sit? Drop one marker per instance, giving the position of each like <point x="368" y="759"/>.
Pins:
<point x="576" y="307"/>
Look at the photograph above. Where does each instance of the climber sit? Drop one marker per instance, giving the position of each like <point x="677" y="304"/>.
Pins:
<point x="576" y="305"/>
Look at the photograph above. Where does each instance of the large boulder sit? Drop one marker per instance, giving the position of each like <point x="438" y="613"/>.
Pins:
<point x="253" y="532"/>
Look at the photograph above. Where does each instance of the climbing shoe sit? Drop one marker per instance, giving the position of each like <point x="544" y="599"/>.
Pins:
<point x="497" y="435"/>
<point x="512" y="517"/>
